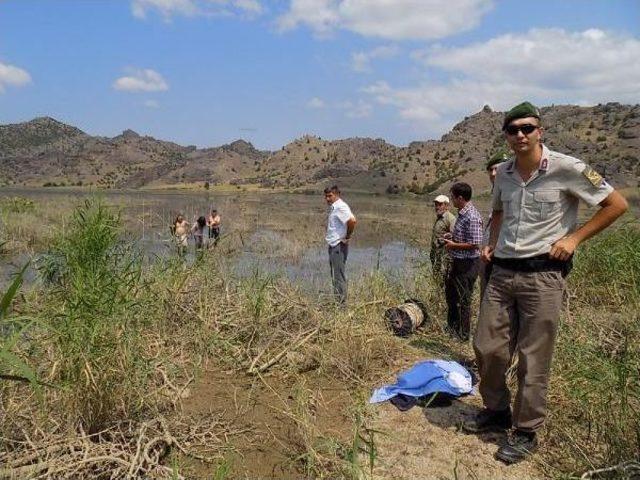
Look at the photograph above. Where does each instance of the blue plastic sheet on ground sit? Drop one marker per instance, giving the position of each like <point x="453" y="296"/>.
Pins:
<point x="425" y="378"/>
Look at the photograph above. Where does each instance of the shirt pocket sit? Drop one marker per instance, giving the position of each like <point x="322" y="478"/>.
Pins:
<point x="509" y="202"/>
<point x="546" y="202"/>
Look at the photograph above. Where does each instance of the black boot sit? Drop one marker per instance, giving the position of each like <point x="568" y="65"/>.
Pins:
<point x="488" y="421"/>
<point x="519" y="445"/>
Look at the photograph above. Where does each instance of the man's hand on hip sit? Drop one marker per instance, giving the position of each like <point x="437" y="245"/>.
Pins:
<point x="563" y="248"/>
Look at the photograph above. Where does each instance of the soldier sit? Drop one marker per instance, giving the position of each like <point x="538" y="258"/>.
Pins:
<point x="532" y="240"/>
<point x="442" y="228"/>
<point x="492" y="169"/>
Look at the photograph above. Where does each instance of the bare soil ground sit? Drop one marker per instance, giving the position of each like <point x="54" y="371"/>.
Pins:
<point x="266" y="408"/>
<point x="427" y="444"/>
<point x="422" y="443"/>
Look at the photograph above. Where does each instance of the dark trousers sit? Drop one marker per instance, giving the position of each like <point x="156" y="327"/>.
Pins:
<point x="485" y="274"/>
<point x="214" y="234"/>
<point x="337" y="261"/>
<point x="459" y="289"/>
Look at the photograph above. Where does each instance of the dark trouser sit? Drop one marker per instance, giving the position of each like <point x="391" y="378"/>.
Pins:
<point x="459" y="289"/>
<point x="529" y="331"/>
<point x="214" y="233"/>
<point x="485" y="273"/>
<point x="337" y="261"/>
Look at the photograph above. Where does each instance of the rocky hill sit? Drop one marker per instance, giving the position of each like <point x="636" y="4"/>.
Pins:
<point x="45" y="152"/>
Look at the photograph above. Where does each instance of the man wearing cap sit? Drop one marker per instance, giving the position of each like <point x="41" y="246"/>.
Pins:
<point x="492" y="169"/>
<point x="532" y="239"/>
<point x="464" y="249"/>
<point x="442" y="228"/>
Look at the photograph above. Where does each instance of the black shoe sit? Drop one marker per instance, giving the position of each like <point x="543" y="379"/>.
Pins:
<point x="488" y="421"/>
<point x="518" y="447"/>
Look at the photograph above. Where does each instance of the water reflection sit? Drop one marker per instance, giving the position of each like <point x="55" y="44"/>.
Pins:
<point x="310" y="270"/>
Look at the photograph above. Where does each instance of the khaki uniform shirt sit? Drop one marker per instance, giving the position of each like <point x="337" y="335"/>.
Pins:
<point x="544" y="209"/>
<point x="442" y="225"/>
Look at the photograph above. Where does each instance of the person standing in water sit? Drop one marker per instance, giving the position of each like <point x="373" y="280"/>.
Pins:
<point x="213" y="222"/>
<point x="198" y="232"/>
<point x="180" y="231"/>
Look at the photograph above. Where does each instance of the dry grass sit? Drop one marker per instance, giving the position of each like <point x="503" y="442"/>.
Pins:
<point x="296" y="346"/>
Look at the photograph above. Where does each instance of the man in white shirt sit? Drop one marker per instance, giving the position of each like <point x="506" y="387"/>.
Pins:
<point x="340" y="226"/>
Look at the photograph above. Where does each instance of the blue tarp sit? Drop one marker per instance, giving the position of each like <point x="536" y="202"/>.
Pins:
<point x="425" y="378"/>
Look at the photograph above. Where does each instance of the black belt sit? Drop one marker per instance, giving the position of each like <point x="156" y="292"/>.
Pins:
<point x="539" y="263"/>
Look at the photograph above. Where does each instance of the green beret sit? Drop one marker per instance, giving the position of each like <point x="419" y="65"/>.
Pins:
<point x="498" y="157"/>
<point x="524" y="110"/>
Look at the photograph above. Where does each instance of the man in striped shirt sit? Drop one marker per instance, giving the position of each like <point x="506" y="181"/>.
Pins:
<point x="464" y="249"/>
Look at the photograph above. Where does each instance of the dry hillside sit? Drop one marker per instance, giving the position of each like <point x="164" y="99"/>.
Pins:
<point x="45" y="152"/>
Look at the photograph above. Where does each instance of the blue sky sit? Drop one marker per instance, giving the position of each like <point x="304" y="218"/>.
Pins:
<point x="207" y="72"/>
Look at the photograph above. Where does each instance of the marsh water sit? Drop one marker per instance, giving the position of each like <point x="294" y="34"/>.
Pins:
<point x="271" y="233"/>
<point x="280" y="234"/>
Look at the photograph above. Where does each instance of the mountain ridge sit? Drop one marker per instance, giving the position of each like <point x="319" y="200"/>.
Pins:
<point x="45" y="152"/>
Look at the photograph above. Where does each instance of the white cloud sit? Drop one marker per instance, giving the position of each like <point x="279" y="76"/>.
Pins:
<point x="396" y="20"/>
<point x="361" y="61"/>
<point x="359" y="109"/>
<point x="316" y="103"/>
<point x="166" y="8"/>
<point x="320" y="15"/>
<point x="544" y="66"/>
<point x="151" y="104"/>
<point x="12" y="76"/>
<point x="249" y="6"/>
<point x="142" y="80"/>
<point x="191" y="8"/>
<point x="551" y="58"/>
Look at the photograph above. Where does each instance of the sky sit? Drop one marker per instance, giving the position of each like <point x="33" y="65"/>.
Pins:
<point x="207" y="72"/>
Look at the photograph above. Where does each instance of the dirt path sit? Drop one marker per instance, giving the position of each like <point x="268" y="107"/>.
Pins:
<point x="425" y="444"/>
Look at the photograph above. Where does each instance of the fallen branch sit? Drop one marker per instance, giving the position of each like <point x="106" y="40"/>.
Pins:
<point x="630" y="469"/>
<point x="126" y="450"/>
<point x="265" y="366"/>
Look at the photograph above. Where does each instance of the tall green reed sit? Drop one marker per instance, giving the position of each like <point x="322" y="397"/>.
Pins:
<point x="596" y="390"/>
<point x="96" y="310"/>
<point x="13" y="329"/>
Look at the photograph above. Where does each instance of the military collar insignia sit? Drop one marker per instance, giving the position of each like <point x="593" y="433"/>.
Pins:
<point x="544" y="165"/>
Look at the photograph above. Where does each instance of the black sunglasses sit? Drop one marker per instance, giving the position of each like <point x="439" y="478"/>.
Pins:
<point x="526" y="129"/>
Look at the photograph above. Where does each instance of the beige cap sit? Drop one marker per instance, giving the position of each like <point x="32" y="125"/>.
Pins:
<point x="441" y="199"/>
